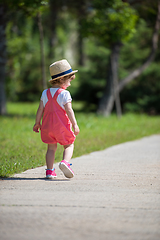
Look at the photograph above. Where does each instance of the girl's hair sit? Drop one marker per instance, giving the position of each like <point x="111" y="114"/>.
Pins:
<point x="60" y="80"/>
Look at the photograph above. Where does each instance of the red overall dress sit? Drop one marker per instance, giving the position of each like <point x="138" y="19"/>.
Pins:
<point x="56" y="126"/>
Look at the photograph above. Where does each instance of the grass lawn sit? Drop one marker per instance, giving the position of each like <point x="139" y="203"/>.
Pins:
<point x="22" y="149"/>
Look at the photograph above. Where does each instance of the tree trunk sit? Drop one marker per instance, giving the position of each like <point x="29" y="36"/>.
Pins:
<point x="80" y="45"/>
<point x="54" y="7"/>
<point x="81" y="13"/>
<point x="111" y="93"/>
<point x="3" y="110"/>
<point x="114" y="65"/>
<point x="44" y="84"/>
<point x="107" y="100"/>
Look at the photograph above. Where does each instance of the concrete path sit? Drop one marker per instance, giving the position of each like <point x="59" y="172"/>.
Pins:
<point x="115" y="195"/>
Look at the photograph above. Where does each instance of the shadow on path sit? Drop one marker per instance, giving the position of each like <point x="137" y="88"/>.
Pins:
<point x="33" y="179"/>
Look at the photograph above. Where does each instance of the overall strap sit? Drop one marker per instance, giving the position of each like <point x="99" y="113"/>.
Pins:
<point x="57" y="93"/>
<point x="49" y="96"/>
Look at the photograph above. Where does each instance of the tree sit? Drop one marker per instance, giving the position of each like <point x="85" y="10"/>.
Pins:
<point x="2" y="59"/>
<point x="55" y="7"/>
<point x="40" y="27"/>
<point x="150" y="58"/>
<point x="113" y="22"/>
<point x="79" y="10"/>
<point x="80" y="7"/>
<point x="7" y="7"/>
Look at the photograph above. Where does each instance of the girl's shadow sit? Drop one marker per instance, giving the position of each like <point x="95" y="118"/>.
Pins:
<point x="33" y="179"/>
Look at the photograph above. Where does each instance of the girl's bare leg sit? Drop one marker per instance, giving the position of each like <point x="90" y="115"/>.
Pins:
<point x="50" y="155"/>
<point x="68" y="152"/>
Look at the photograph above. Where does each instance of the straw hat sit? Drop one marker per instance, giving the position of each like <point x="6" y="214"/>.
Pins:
<point x="60" y="69"/>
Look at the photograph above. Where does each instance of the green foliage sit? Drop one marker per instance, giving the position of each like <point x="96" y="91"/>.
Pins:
<point x="29" y="7"/>
<point x="23" y="67"/>
<point x="147" y="100"/>
<point x="112" y="22"/>
<point x="22" y="149"/>
<point x="24" y="77"/>
<point x="143" y="94"/>
<point x="137" y="49"/>
<point x="92" y="78"/>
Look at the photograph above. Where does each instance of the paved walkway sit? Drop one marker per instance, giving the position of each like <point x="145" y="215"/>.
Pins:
<point x="115" y="195"/>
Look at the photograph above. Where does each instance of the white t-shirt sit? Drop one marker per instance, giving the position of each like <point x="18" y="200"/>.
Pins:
<point x="63" y="98"/>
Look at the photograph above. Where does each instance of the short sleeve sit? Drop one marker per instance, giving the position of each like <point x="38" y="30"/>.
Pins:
<point x="64" y="97"/>
<point x="44" y="97"/>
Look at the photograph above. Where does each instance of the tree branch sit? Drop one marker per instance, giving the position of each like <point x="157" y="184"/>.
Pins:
<point x="150" y="58"/>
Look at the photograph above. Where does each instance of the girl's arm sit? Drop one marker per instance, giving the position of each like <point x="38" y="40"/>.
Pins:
<point x="39" y="114"/>
<point x="70" y="113"/>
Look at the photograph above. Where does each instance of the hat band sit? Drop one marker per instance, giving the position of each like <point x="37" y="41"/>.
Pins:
<point x="62" y="74"/>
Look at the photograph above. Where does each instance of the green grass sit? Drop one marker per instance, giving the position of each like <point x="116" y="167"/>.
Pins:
<point x="22" y="149"/>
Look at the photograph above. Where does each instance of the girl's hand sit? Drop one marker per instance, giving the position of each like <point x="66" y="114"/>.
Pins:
<point x="36" y="127"/>
<point x="76" y="129"/>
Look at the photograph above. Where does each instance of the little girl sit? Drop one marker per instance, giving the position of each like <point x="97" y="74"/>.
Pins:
<point x="58" y="118"/>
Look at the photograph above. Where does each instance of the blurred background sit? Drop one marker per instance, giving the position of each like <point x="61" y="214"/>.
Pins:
<point x="113" y="44"/>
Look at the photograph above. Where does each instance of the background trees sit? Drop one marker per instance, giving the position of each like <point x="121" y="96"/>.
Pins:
<point x="2" y="59"/>
<point x="10" y="12"/>
<point x="113" y="22"/>
<point x="96" y="37"/>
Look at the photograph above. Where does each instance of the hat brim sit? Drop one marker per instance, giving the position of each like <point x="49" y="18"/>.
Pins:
<point x="63" y="75"/>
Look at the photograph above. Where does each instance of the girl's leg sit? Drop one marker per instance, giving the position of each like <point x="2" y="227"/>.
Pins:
<point x="68" y="152"/>
<point x="50" y="155"/>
